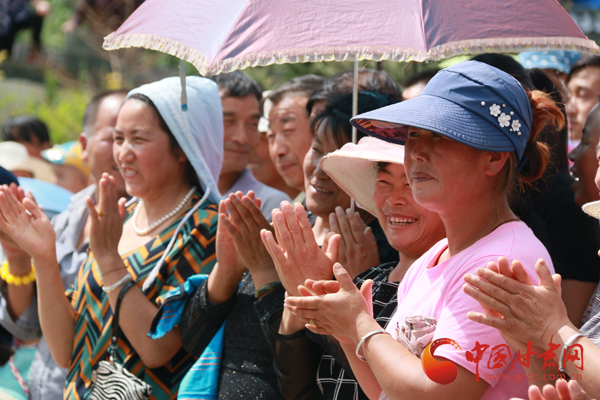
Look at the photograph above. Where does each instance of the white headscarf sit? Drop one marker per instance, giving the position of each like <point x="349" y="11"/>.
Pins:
<point x="198" y="131"/>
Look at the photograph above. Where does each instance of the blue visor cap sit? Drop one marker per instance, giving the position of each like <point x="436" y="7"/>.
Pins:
<point x="471" y="102"/>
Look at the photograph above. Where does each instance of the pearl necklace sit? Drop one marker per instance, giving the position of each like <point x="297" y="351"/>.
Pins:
<point x="142" y="232"/>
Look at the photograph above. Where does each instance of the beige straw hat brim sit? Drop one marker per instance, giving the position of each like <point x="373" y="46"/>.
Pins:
<point x="354" y="167"/>
<point x="592" y="209"/>
<point x="14" y="157"/>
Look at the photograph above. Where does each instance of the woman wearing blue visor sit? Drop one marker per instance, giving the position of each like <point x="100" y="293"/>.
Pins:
<point x="470" y="145"/>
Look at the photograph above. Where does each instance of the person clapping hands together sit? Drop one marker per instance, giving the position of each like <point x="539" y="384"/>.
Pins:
<point x="528" y="314"/>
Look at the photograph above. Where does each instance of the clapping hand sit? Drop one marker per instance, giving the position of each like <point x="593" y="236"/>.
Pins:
<point x="334" y="307"/>
<point x="11" y="249"/>
<point x="563" y="391"/>
<point x="24" y="223"/>
<point x="515" y="306"/>
<point x="357" y="249"/>
<point x="229" y="261"/>
<point x="296" y="254"/>
<point x="244" y="224"/>
<point x="106" y="222"/>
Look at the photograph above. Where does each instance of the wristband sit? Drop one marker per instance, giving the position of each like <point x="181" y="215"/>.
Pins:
<point x="267" y="288"/>
<point x="362" y="341"/>
<point x="568" y="344"/>
<point x="121" y="282"/>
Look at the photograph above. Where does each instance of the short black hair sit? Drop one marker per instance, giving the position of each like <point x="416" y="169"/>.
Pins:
<point x="338" y="112"/>
<point x="507" y="64"/>
<point x="237" y="84"/>
<point x="24" y="128"/>
<point x="583" y="62"/>
<point x="303" y="85"/>
<point x="90" y="115"/>
<point x="342" y="83"/>
<point x="423" y="76"/>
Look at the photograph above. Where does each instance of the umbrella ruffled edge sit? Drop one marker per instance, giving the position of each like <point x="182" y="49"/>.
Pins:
<point x="513" y="45"/>
<point x="464" y="47"/>
<point x="158" y="43"/>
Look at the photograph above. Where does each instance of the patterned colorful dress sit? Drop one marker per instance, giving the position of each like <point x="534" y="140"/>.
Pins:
<point x="193" y="251"/>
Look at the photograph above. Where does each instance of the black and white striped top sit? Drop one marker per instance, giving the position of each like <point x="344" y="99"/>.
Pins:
<point x="591" y="318"/>
<point x="333" y="376"/>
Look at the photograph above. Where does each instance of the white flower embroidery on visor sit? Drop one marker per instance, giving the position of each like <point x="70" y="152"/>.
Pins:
<point x="504" y="120"/>
<point x="516" y="125"/>
<point x="495" y="110"/>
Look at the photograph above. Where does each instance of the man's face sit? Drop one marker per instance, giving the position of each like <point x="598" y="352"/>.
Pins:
<point x="98" y="146"/>
<point x="261" y="164"/>
<point x="584" y="89"/>
<point x="585" y="161"/>
<point x="241" y="137"/>
<point x="289" y="138"/>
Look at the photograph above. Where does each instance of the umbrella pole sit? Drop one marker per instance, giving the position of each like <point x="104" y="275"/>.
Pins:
<point x="354" y="98"/>
<point x="354" y="109"/>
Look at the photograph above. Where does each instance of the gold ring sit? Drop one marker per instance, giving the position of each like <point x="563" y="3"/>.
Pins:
<point x="102" y="213"/>
<point x="313" y="323"/>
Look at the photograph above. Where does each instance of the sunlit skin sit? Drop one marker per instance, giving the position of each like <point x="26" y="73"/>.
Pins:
<point x="97" y="152"/>
<point x="408" y="227"/>
<point x="154" y="173"/>
<point x="141" y="148"/>
<point x="584" y="89"/>
<point x="69" y="177"/>
<point x="449" y="178"/>
<point x="322" y="193"/>
<point x="584" y="160"/>
<point x="264" y="170"/>
<point x="240" y="136"/>
<point x="97" y="146"/>
<point x="461" y="184"/>
<point x="290" y="138"/>
<point x="437" y="167"/>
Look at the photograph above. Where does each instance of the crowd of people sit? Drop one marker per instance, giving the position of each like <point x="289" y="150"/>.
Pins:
<point x="243" y="247"/>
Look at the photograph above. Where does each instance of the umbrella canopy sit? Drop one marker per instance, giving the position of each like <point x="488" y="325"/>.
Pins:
<point x="224" y="35"/>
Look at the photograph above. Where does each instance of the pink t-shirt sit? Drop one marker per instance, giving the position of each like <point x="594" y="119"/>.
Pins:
<point x="436" y="291"/>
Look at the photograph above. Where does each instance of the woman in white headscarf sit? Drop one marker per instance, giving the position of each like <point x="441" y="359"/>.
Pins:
<point x="170" y="160"/>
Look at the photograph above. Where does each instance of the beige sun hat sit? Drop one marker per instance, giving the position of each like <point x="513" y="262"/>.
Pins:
<point x="592" y="209"/>
<point x="354" y="167"/>
<point x="14" y="157"/>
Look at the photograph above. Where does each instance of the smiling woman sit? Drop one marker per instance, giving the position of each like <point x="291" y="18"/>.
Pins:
<point x="170" y="161"/>
<point x="470" y="139"/>
<point x="323" y="196"/>
<point x="371" y="172"/>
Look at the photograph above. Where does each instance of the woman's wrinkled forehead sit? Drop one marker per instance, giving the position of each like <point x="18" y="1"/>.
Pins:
<point x="144" y="112"/>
